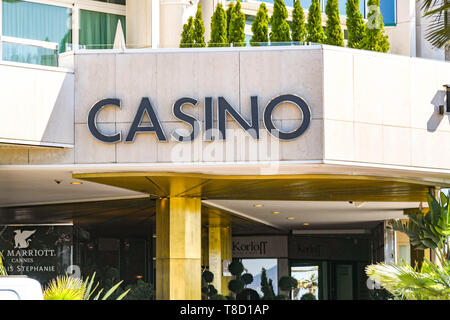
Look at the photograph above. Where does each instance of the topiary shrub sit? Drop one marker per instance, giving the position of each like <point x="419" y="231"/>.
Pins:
<point x="236" y="286"/>
<point x="248" y="294"/>
<point x="287" y="283"/>
<point x="208" y="276"/>
<point x="208" y="290"/>
<point x="308" y="296"/>
<point x="236" y="268"/>
<point x="247" y="278"/>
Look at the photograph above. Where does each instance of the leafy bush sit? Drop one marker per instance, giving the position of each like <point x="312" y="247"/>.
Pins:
<point x="287" y="283"/>
<point x="426" y="229"/>
<point x="140" y="291"/>
<point x="308" y="296"/>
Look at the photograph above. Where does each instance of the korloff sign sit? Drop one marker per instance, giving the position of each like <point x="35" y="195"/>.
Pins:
<point x="260" y="247"/>
<point x="40" y="252"/>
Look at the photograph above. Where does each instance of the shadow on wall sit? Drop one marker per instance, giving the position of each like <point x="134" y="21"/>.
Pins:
<point x="436" y="118"/>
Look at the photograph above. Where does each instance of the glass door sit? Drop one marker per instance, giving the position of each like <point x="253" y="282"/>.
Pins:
<point x="342" y="281"/>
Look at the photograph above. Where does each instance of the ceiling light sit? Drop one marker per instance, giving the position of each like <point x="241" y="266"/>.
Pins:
<point x="291" y="218"/>
<point x="76" y="182"/>
<point x="276" y="212"/>
<point x="258" y="205"/>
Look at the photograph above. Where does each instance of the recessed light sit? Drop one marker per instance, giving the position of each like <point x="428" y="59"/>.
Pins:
<point x="76" y="182"/>
<point x="291" y="218"/>
<point x="276" y="212"/>
<point x="258" y="205"/>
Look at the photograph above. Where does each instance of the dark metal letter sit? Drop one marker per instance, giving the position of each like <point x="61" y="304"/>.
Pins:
<point x="185" y="118"/>
<point x="145" y="106"/>
<point x="92" y="121"/>
<point x="225" y="107"/>
<point x="268" y="123"/>
<point x="209" y="119"/>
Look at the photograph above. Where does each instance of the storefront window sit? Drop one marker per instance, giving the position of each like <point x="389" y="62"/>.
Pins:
<point x="255" y="266"/>
<point x="308" y="282"/>
<point x="35" y="21"/>
<point x="98" y="29"/>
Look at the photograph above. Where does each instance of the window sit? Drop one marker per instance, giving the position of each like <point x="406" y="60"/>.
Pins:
<point x="388" y="11"/>
<point x="113" y="1"/>
<point x="404" y="253"/>
<point x="98" y="29"/>
<point x="35" y="21"/>
<point x="254" y="267"/>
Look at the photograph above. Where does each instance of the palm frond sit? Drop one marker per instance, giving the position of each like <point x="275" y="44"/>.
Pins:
<point x="438" y="30"/>
<point x="404" y="282"/>
<point x="65" y="288"/>
<point x="2" y="267"/>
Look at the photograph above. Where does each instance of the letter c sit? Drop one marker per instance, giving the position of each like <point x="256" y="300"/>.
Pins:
<point x="92" y="121"/>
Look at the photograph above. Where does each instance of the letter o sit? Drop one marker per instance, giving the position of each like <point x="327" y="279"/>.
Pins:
<point x="300" y="103"/>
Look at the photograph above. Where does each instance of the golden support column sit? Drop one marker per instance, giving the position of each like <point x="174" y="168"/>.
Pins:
<point x="219" y="250"/>
<point x="178" y="249"/>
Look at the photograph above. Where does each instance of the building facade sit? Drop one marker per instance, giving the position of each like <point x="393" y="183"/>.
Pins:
<point x="149" y="162"/>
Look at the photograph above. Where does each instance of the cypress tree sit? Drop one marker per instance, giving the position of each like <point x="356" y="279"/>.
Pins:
<point x="298" y="23"/>
<point x="375" y="39"/>
<point x="219" y="28"/>
<point x="229" y="12"/>
<point x="355" y="25"/>
<point x="237" y="25"/>
<point x="187" y="36"/>
<point x="333" y="30"/>
<point x="314" y="26"/>
<point x="199" y="28"/>
<point x="260" y="26"/>
<point x="280" y="28"/>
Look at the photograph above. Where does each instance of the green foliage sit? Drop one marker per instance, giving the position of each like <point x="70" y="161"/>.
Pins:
<point x="333" y="30"/>
<point x="429" y="228"/>
<point x="298" y="26"/>
<point x="237" y="25"/>
<point x="247" y="278"/>
<point x="65" y="288"/>
<point x="308" y="296"/>
<point x="287" y="283"/>
<point x="438" y="30"/>
<point x="208" y="289"/>
<point x="219" y="37"/>
<point x="266" y="287"/>
<point x="236" y="285"/>
<point x="260" y="26"/>
<point x="218" y="297"/>
<point x="314" y="25"/>
<point x="355" y="25"/>
<point x="208" y="276"/>
<point x="199" y="28"/>
<point x="280" y="28"/>
<point x="229" y="13"/>
<point x="140" y="291"/>
<point x="2" y="266"/>
<point x="426" y="229"/>
<point x="187" y="36"/>
<point x="90" y="290"/>
<point x="236" y="268"/>
<point x="407" y="283"/>
<point x="375" y="38"/>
